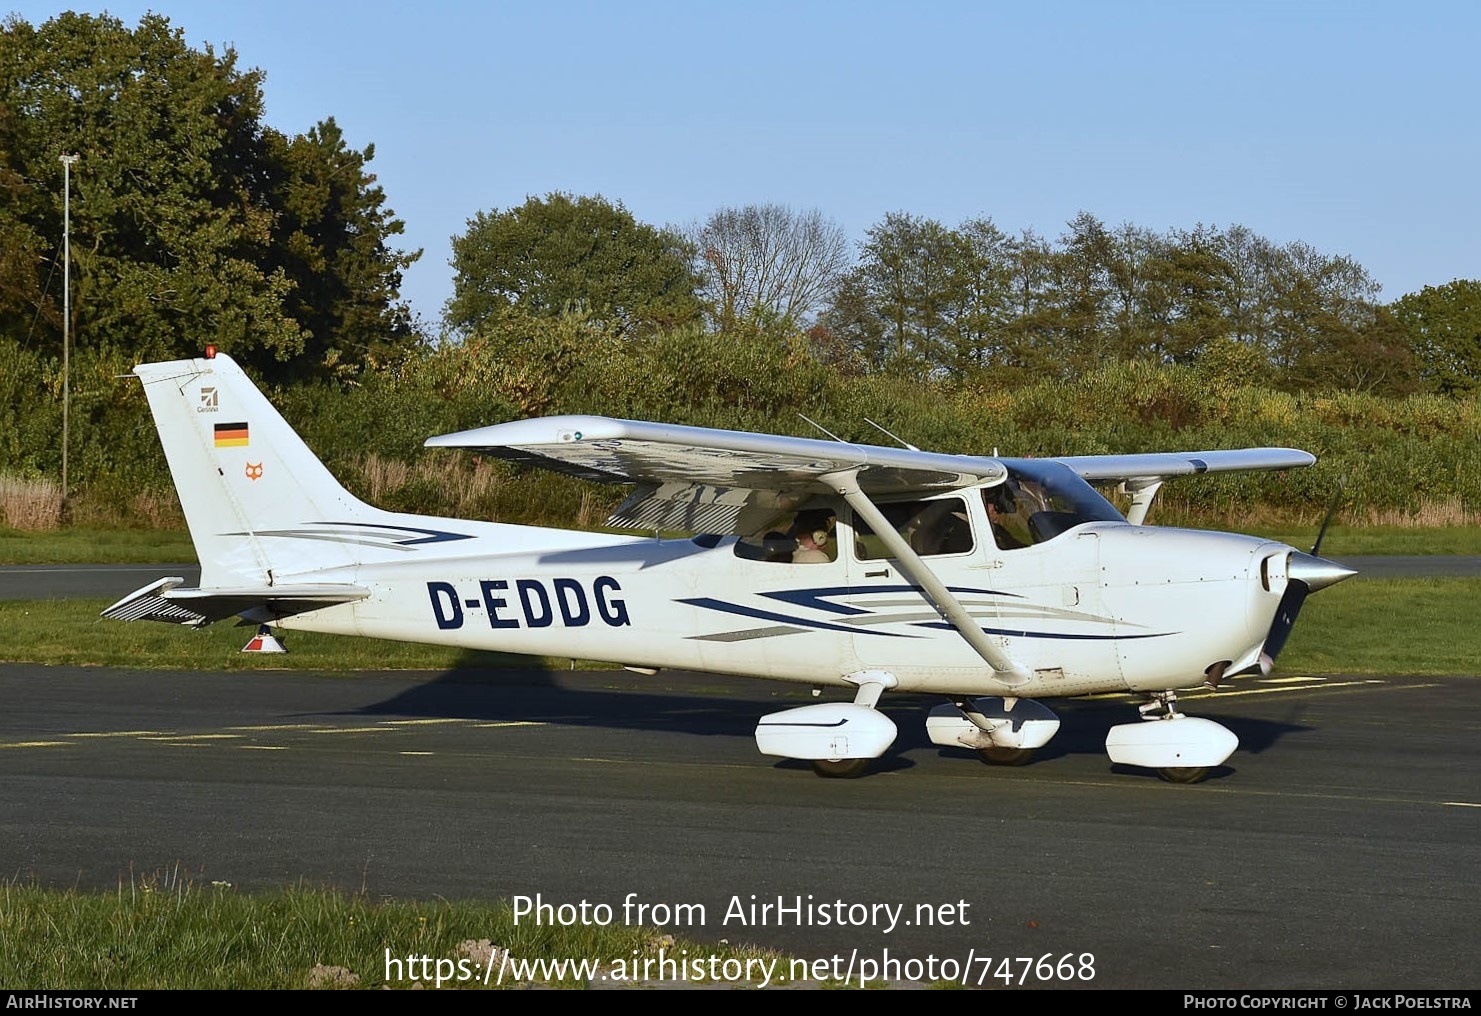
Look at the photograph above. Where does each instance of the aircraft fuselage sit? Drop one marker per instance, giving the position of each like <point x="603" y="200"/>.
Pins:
<point x="1102" y="607"/>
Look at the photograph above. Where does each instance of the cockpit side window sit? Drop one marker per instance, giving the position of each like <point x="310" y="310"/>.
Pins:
<point x="932" y="528"/>
<point x="1007" y="515"/>
<point x="1040" y="500"/>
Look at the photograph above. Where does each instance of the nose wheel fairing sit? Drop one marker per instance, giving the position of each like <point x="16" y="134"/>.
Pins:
<point x="1183" y="749"/>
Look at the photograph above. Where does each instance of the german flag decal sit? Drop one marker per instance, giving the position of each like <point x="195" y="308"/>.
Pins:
<point x="231" y="435"/>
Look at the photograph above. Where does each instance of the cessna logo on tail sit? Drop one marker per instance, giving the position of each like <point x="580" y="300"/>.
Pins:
<point x="529" y="604"/>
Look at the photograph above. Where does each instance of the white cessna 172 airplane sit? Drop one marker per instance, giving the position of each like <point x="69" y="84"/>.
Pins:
<point x="992" y="582"/>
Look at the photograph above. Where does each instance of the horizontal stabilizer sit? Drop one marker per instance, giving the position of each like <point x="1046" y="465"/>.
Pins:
<point x="149" y="604"/>
<point x="164" y="600"/>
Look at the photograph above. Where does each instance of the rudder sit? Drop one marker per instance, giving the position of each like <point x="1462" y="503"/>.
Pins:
<point x="244" y="476"/>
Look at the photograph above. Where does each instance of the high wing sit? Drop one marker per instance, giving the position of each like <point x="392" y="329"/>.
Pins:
<point x="1141" y="475"/>
<point x="1161" y="465"/>
<point x="714" y="481"/>
<point x="725" y="481"/>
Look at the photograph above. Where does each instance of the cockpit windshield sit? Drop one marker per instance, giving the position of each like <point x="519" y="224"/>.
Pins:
<point x="1038" y="501"/>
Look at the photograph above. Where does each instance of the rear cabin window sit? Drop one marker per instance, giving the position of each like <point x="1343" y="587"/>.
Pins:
<point x="808" y="537"/>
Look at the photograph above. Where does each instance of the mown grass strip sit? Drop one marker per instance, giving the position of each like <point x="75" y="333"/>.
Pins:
<point x="169" y="932"/>
<point x="1354" y="541"/>
<point x="1389" y="626"/>
<point x="70" y="632"/>
<point x="95" y="546"/>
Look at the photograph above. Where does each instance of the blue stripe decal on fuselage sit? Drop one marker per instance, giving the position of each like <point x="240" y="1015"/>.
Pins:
<point x="430" y="535"/>
<point x="814" y="598"/>
<point x="1049" y="634"/>
<point x="709" y="603"/>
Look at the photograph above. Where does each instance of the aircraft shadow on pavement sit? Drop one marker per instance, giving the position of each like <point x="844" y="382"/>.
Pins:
<point x="719" y="705"/>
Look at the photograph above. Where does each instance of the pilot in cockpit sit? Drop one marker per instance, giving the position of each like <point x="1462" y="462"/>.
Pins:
<point x="810" y="530"/>
<point x="1009" y="529"/>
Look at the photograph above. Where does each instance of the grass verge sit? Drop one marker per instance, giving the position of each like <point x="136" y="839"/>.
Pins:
<point x="1389" y="626"/>
<point x="95" y="546"/>
<point x="168" y="932"/>
<point x="1356" y="541"/>
<point x="70" y="632"/>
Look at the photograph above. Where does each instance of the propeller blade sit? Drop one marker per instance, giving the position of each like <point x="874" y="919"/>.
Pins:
<point x="1285" y="620"/>
<point x="1305" y="574"/>
<point x="1331" y="511"/>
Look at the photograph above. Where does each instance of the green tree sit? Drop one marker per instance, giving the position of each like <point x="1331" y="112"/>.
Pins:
<point x="983" y="293"/>
<point x="560" y="253"/>
<point x="897" y="306"/>
<point x="331" y="238"/>
<point x="1443" y="327"/>
<point x="180" y="231"/>
<point x="1183" y="307"/>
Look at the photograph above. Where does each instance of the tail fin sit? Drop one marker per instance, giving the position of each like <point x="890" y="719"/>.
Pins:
<point x="245" y="479"/>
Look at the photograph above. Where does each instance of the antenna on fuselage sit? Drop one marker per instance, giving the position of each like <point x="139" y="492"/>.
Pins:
<point x="904" y="442"/>
<point x="825" y="430"/>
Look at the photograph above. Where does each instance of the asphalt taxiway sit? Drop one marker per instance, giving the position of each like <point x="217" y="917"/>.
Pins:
<point x="1337" y="849"/>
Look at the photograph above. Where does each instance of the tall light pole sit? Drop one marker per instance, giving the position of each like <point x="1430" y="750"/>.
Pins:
<point x="67" y="161"/>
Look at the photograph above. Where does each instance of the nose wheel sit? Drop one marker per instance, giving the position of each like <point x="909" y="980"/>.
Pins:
<point x="840" y="768"/>
<point x="1182" y="749"/>
<point x="1184" y="774"/>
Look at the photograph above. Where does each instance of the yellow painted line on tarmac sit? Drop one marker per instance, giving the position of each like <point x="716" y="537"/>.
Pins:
<point x="509" y="723"/>
<point x="1289" y="680"/>
<point x="415" y="753"/>
<point x="1461" y="804"/>
<point x="351" y="730"/>
<point x="280" y="726"/>
<point x="35" y="744"/>
<point x="262" y="747"/>
<point x="423" y="723"/>
<point x="121" y="733"/>
<point x="193" y="737"/>
<point x="1280" y="691"/>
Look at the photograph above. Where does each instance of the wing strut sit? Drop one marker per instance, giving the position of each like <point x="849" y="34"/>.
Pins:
<point x="1009" y="671"/>
<point x="1142" y="491"/>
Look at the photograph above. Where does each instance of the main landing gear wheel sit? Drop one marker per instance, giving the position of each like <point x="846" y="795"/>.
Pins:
<point x="1184" y="774"/>
<point x="1005" y="756"/>
<point x="840" y="768"/>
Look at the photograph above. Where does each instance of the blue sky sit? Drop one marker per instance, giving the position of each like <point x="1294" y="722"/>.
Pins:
<point x="1350" y="126"/>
